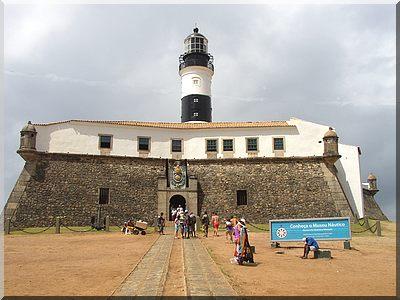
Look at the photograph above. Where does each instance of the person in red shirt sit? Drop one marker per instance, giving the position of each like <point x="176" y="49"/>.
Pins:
<point x="215" y="223"/>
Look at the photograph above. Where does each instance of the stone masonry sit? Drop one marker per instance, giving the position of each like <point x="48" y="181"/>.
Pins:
<point x="371" y="208"/>
<point x="67" y="185"/>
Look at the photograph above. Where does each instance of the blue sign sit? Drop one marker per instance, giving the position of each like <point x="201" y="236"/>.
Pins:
<point x="320" y="229"/>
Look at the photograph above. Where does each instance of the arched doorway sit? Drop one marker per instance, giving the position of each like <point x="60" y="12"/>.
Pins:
<point x="174" y="202"/>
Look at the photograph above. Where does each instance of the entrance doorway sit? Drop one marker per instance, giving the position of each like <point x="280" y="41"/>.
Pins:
<point x="174" y="202"/>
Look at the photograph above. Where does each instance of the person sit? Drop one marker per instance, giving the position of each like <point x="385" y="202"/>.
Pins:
<point x="179" y="209"/>
<point x="243" y="252"/>
<point x="125" y="228"/>
<point x="234" y="221"/>
<point x="181" y="217"/>
<point x="129" y="227"/>
<point x="205" y="220"/>
<point x="192" y="224"/>
<point x="176" y="224"/>
<point x="173" y="213"/>
<point x="186" y="224"/>
<point x="161" y="223"/>
<point x="215" y="222"/>
<point x="309" y="244"/>
<point x="236" y="236"/>
<point x="228" y="230"/>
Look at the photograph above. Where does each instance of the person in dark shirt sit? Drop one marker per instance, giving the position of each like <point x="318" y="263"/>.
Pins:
<point x="192" y="224"/>
<point x="310" y="244"/>
<point x="161" y="223"/>
<point x="205" y="220"/>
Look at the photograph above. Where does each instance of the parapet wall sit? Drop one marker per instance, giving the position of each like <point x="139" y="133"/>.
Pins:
<point x="68" y="185"/>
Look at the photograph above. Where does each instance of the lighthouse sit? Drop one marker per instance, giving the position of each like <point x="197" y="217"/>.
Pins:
<point x="196" y="70"/>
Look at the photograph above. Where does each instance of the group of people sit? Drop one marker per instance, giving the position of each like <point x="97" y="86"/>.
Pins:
<point x="235" y="231"/>
<point x="184" y="222"/>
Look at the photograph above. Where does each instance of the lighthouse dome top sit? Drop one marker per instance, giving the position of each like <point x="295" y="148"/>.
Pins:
<point x="196" y="42"/>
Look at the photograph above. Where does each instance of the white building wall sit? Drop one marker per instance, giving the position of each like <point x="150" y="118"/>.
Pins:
<point x="83" y="137"/>
<point x="349" y="176"/>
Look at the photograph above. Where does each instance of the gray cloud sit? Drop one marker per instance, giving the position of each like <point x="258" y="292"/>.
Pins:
<point x="330" y="64"/>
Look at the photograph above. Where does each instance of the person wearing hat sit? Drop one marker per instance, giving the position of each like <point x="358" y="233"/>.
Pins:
<point x="310" y="244"/>
<point x="243" y="252"/>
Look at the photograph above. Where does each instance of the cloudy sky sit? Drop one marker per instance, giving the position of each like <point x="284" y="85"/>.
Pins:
<point x="329" y="64"/>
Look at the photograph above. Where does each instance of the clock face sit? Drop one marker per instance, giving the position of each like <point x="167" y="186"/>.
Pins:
<point x="281" y="233"/>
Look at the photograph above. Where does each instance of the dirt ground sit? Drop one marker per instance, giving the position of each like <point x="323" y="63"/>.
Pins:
<point x="70" y="264"/>
<point x="370" y="269"/>
<point x="175" y="281"/>
<point x="96" y="263"/>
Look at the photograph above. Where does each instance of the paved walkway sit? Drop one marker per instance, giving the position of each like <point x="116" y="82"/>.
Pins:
<point x="148" y="278"/>
<point x="202" y="275"/>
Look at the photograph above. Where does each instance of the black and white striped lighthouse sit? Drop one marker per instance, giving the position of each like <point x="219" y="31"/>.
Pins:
<point x="196" y="70"/>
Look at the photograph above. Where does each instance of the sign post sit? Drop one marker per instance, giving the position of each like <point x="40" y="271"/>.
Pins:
<point x="293" y="230"/>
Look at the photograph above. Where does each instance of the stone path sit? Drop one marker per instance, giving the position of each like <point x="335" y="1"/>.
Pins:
<point x="148" y="278"/>
<point x="202" y="276"/>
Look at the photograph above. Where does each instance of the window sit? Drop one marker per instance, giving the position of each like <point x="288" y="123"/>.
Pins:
<point x="252" y="144"/>
<point x="278" y="144"/>
<point x="196" y="114"/>
<point x="227" y="145"/>
<point x="104" y="196"/>
<point x="241" y="197"/>
<point x="105" y="141"/>
<point x="195" y="100"/>
<point x="176" y="145"/>
<point x="144" y="143"/>
<point x="212" y="146"/>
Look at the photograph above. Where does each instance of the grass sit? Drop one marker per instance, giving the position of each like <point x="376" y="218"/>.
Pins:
<point x="52" y="230"/>
<point x="388" y="229"/>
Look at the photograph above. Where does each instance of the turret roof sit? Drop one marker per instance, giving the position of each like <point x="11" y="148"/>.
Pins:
<point x="29" y="127"/>
<point x="330" y="133"/>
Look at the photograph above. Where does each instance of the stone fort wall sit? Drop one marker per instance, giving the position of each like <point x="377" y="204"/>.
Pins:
<point x="68" y="185"/>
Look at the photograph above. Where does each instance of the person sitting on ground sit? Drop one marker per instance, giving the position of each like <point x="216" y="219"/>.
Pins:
<point x="129" y="227"/>
<point x="205" y="220"/>
<point x="125" y="228"/>
<point x="215" y="222"/>
<point x="161" y="223"/>
<point x="310" y="244"/>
